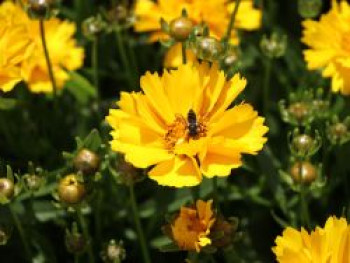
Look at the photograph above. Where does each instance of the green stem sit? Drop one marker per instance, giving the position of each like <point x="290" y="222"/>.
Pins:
<point x="145" y="254"/>
<point x="125" y="61"/>
<point x="98" y="216"/>
<point x="232" y="22"/>
<point x="304" y="211"/>
<point x="21" y="233"/>
<point x="183" y="49"/>
<point x="94" y="64"/>
<point x="266" y="87"/>
<point x="47" y="58"/>
<point x="76" y="258"/>
<point x="86" y="235"/>
<point x="215" y="191"/>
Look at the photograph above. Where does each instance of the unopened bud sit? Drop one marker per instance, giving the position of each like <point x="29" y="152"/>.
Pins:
<point x="75" y="241"/>
<point x="7" y="188"/>
<point x="40" y="9"/>
<point x="208" y="48"/>
<point x="275" y="46"/>
<point x="299" y="110"/>
<point x="70" y="190"/>
<point x="114" y="252"/>
<point x="86" y="162"/>
<point x="303" y="172"/>
<point x="180" y="28"/>
<point x="309" y="8"/>
<point x="93" y="26"/>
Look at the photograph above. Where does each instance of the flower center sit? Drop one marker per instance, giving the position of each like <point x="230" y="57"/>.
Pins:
<point x="182" y="130"/>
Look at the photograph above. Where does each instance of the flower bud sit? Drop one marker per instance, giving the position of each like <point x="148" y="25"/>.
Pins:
<point x="114" y="252"/>
<point x="7" y="188"/>
<point x="309" y="8"/>
<point x="75" y="241"/>
<point x="299" y="110"/>
<point x="208" y="48"/>
<point x="338" y="132"/>
<point x="118" y="13"/>
<point x="275" y="46"/>
<point x="93" y="26"/>
<point x="223" y="232"/>
<point x="180" y="28"/>
<point x="303" y="172"/>
<point x="87" y="162"/>
<point x="70" y="190"/>
<point x="40" y="9"/>
<point x="128" y="174"/>
<point x="4" y="235"/>
<point x="339" y="129"/>
<point x="33" y="181"/>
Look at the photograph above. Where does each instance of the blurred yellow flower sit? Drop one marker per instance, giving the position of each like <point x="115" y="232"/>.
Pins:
<point x="21" y="53"/>
<point x="330" y="244"/>
<point x="190" y="230"/>
<point x="173" y="57"/>
<point x="182" y="126"/>
<point x="329" y="40"/>
<point x="215" y="13"/>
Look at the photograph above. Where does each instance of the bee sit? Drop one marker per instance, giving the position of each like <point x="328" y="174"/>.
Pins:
<point x="192" y="123"/>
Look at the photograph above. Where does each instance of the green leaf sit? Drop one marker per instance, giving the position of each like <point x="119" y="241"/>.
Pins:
<point x="80" y="88"/>
<point x="93" y="141"/>
<point x="7" y="104"/>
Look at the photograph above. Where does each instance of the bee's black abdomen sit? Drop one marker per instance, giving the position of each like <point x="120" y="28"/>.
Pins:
<point x="192" y="123"/>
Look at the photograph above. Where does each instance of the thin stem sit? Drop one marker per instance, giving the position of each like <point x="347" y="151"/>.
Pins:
<point x="232" y="21"/>
<point x="125" y="61"/>
<point x="94" y="63"/>
<point x="304" y="213"/>
<point x="47" y="58"/>
<point x="21" y="233"/>
<point x="86" y="235"/>
<point x="266" y="87"/>
<point x="183" y="49"/>
<point x="142" y="241"/>
<point x="215" y="191"/>
<point x="98" y="216"/>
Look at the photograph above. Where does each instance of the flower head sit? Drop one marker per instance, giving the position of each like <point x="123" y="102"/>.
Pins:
<point x="190" y="229"/>
<point x="328" y="244"/>
<point x="215" y="13"/>
<point x="22" y="56"/>
<point x="182" y="126"/>
<point x="328" y="40"/>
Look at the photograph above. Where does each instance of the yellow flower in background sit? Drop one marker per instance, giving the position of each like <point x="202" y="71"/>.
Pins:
<point x="330" y="244"/>
<point x="21" y="54"/>
<point x="182" y="126"/>
<point x="173" y="57"/>
<point x="215" y="13"/>
<point x="328" y="40"/>
<point x="190" y="229"/>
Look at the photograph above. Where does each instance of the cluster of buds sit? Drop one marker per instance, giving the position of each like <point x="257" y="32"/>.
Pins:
<point x="338" y="132"/>
<point x="304" y="107"/>
<point x="113" y="252"/>
<point x="275" y="46"/>
<point x="309" y="8"/>
<point x="41" y="9"/>
<point x="75" y="241"/>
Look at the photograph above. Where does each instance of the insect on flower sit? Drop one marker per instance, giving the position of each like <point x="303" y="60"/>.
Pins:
<point x="192" y="123"/>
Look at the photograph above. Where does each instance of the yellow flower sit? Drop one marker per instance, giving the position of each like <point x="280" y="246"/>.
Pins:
<point x="215" y="13"/>
<point x="21" y="53"/>
<point x="182" y="126"/>
<point x="330" y="244"/>
<point x="173" y="57"/>
<point x="191" y="228"/>
<point x="328" y="40"/>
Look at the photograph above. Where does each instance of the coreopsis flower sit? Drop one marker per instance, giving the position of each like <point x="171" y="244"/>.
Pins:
<point x="215" y="13"/>
<point x="181" y="125"/>
<point x="328" y="244"/>
<point x="328" y="40"/>
<point x="23" y="58"/>
<point x="173" y="58"/>
<point x="190" y="229"/>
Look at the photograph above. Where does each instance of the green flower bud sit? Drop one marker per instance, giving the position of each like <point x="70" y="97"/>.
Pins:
<point x="40" y="9"/>
<point x="303" y="172"/>
<point x="86" y="162"/>
<point x="275" y="46"/>
<point x="309" y="8"/>
<point x="7" y="188"/>
<point x="180" y="28"/>
<point x="114" y="252"/>
<point x="208" y="48"/>
<point x="70" y="190"/>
